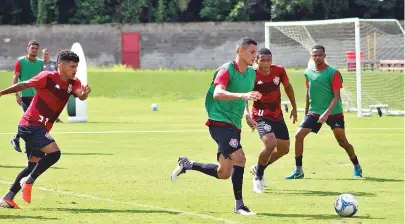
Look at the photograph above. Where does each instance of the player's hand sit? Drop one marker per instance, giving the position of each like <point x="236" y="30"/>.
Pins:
<point x="294" y="115"/>
<point x="323" y="118"/>
<point x="254" y="95"/>
<point x="86" y="89"/>
<point x="18" y="99"/>
<point x="252" y="123"/>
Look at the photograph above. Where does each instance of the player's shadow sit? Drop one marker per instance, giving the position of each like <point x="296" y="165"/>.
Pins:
<point x="15" y="217"/>
<point x="376" y="179"/>
<point x="22" y="167"/>
<point x="309" y="216"/>
<point x="112" y="122"/>
<point x="86" y="154"/>
<point x="103" y="210"/>
<point x="319" y="193"/>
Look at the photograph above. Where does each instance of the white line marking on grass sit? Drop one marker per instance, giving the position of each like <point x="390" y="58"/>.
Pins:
<point x="131" y="203"/>
<point x="167" y="131"/>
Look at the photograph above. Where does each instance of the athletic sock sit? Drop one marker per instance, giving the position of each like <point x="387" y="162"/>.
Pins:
<point x="43" y="164"/>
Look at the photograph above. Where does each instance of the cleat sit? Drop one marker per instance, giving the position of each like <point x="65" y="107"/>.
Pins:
<point x="180" y="167"/>
<point x="258" y="185"/>
<point x="295" y="175"/>
<point x="26" y="190"/>
<point x="357" y="173"/>
<point x="59" y="121"/>
<point x="253" y="172"/>
<point x="243" y="210"/>
<point x="15" y="142"/>
<point x="8" y="203"/>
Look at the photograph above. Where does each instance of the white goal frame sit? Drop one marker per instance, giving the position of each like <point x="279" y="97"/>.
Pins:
<point x="356" y="21"/>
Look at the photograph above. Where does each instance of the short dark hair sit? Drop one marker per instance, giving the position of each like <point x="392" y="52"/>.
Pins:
<point x="263" y="51"/>
<point x="32" y="42"/>
<point x="67" y="55"/>
<point x="318" y="47"/>
<point x="244" y="42"/>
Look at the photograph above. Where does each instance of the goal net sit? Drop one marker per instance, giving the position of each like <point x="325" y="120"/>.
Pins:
<point x="368" y="52"/>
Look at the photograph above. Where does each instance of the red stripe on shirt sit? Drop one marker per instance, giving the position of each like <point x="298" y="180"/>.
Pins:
<point x="337" y="81"/>
<point x="17" y="67"/>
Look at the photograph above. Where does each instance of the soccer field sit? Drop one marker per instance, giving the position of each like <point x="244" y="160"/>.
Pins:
<point x="116" y="168"/>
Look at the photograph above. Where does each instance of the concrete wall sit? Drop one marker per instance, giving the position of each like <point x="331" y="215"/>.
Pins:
<point x="170" y="45"/>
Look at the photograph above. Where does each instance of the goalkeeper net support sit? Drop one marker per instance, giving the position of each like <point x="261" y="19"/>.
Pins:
<point x="368" y="52"/>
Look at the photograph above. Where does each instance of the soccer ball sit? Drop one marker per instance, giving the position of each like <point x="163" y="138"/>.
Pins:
<point x="154" y="107"/>
<point x="346" y="205"/>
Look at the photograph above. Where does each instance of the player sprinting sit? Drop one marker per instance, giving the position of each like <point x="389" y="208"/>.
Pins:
<point x="323" y="105"/>
<point x="267" y="115"/>
<point x="25" y="68"/>
<point x="53" y="91"/>
<point x="225" y="102"/>
<point x="49" y="66"/>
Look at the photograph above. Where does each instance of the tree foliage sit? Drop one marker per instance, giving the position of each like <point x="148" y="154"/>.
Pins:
<point x="17" y="12"/>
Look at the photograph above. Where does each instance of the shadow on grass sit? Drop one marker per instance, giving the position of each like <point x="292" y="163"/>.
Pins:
<point x="86" y="154"/>
<point x="319" y="193"/>
<point x="376" y="179"/>
<point x="316" y="217"/>
<point x="103" y="210"/>
<point x="22" y="167"/>
<point x="112" y="122"/>
<point x="25" y="217"/>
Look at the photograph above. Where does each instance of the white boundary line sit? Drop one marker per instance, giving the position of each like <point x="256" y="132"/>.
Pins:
<point x="131" y="203"/>
<point x="169" y="131"/>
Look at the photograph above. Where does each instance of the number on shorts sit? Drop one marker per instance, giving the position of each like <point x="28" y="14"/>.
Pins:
<point x="260" y="112"/>
<point x="43" y="119"/>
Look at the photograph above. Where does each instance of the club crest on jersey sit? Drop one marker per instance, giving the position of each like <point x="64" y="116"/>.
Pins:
<point x="234" y="143"/>
<point x="267" y="127"/>
<point x="70" y="88"/>
<point x="276" y="80"/>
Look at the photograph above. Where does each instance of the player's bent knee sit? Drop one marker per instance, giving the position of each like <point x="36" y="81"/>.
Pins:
<point x="224" y="173"/>
<point x="270" y="146"/>
<point x="33" y="159"/>
<point x="238" y="158"/>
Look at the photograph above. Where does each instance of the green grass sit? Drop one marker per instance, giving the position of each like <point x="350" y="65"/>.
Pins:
<point x="132" y="169"/>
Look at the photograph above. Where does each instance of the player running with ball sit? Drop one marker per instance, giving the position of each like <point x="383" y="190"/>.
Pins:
<point x="225" y="102"/>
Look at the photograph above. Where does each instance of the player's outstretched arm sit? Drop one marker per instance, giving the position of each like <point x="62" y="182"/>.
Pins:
<point x="220" y="93"/>
<point x="15" y="88"/>
<point x="83" y="93"/>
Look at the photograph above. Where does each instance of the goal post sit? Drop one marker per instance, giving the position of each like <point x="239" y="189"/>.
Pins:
<point x="368" y="52"/>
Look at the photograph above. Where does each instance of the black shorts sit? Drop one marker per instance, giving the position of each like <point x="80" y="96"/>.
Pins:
<point x="227" y="138"/>
<point x="36" y="138"/>
<point x="311" y="122"/>
<point x="279" y="128"/>
<point x="25" y="102"/>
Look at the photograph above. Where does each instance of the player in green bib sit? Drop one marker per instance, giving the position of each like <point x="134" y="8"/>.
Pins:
<point x="26" y="68"/>
<point x="225" y="101"/>
<point x="323" y="105"/>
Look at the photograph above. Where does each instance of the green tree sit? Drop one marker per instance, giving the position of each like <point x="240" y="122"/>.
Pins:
<point x="214" y="10"/>
<point x="240" y="12"/>
<point x="134" y="11"/>
<point x="291" y="9"/>
<point x="90" y="12"/>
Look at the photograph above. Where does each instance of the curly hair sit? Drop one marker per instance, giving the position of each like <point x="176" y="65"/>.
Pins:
<point x="68" y="55"/>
